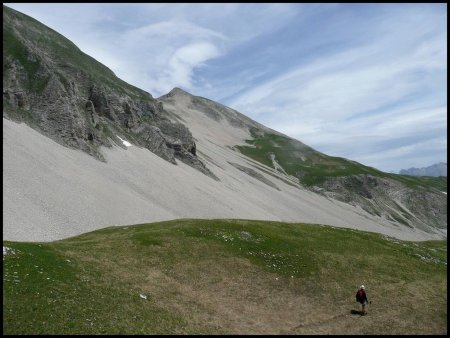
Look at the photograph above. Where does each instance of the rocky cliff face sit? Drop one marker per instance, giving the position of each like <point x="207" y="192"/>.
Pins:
<point x="73" y="99"/>
<point x="391" y="200"/>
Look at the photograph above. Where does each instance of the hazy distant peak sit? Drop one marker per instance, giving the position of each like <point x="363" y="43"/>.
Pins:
<point x="439" y="169"/>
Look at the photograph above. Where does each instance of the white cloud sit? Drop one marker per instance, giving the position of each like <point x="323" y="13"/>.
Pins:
<point x="186" y="58"/>
<point x="169" y="29"/>
<point x="345" y="104"/>
<point x="340" y="85"/>
<point x="159" y="56"/>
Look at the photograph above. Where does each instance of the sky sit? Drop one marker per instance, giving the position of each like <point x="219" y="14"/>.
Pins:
<point x="367" y="82"/>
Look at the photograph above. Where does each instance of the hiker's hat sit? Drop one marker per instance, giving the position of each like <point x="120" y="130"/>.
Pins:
<point x="362" y="287"/>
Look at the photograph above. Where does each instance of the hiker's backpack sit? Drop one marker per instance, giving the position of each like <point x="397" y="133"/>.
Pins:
<point x="359" y="295"/>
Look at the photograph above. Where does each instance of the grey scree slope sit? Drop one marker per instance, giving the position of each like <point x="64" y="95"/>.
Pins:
<point x="52" y="192"/>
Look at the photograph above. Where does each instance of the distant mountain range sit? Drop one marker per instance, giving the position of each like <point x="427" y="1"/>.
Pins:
<point x="435" y="170"/>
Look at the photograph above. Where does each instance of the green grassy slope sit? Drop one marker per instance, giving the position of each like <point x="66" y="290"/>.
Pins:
<point x="224" y="276"/>
<point x="313" y="167"/>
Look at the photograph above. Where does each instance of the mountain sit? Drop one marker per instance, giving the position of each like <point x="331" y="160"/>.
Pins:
<point x="435" y="170"/>
<point x="75" y="100"/>
<point x="83" y="150"/>
<point x="412" y="202"/>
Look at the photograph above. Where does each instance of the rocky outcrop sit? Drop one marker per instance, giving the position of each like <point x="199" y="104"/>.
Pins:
<point x="390" y="199"/>
<point x="51" y="85"/>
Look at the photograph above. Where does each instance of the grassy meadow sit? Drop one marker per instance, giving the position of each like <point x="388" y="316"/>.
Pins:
<point x="224" y="277"/>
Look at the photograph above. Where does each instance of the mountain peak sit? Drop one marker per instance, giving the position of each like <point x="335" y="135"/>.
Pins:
<point x="177" y="91"/>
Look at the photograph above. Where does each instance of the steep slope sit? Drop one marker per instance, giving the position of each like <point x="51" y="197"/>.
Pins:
<point x="53" y="192"/>
<point x="400" y="200"/>
<point x="67" y="95"/>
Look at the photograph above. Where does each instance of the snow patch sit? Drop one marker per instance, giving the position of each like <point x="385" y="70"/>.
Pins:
<point x="125" y="143"/>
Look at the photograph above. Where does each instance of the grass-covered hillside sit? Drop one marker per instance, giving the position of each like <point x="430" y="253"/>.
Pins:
<point x="416" y="202"/>
<point x="219" y="277"/>
<point x="313" y="167"/>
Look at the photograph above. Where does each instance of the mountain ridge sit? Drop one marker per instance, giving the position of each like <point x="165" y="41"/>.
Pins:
<point x="389" y="196"/>
<point x="435" y="170"/>
<point x="245" y="169"/>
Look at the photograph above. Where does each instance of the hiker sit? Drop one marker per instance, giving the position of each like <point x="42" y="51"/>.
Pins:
<point x="361" y="297"/>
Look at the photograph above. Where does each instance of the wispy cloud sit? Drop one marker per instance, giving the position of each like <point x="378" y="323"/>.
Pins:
<point x="348" y="100"/>
<point x="163" y="55"/>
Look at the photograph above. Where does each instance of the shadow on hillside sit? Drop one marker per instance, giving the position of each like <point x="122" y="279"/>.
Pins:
<point x="355" y="312"/>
